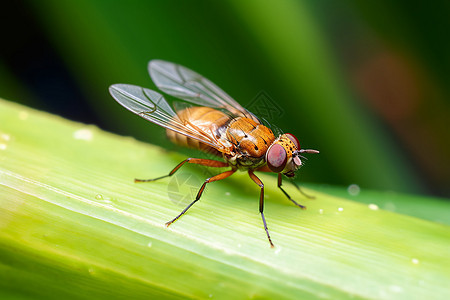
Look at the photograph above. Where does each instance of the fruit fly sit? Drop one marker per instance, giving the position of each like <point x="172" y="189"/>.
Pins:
<point x="213" y="122"/>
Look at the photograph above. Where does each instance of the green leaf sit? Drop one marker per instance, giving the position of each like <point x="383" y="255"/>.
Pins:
<point x="73" y="224"/>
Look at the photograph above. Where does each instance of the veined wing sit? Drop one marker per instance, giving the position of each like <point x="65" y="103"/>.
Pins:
<point x="152" y="106"/>
<point x="183" y="83"/>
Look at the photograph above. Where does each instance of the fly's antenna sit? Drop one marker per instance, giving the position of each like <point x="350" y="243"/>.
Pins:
<point x="308" y="151"/>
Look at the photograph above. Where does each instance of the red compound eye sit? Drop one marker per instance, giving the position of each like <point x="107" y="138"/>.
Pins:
<point x="276" y="158"/>
<point x="294" y="140"/>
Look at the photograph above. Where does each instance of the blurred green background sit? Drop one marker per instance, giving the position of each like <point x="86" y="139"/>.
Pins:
<point x="366" y="83"/>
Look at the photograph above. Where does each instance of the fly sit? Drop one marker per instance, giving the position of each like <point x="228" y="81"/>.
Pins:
<point x="212" y="122"/>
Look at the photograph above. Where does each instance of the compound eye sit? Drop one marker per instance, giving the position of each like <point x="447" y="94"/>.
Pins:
<point x="276" y="158"/>
<point x="293" y="139"/>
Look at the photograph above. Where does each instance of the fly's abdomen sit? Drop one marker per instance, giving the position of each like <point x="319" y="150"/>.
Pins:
<point x="204" y="120"/>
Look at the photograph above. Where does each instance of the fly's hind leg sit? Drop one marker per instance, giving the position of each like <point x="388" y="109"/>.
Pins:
<point x="198" y="161"/>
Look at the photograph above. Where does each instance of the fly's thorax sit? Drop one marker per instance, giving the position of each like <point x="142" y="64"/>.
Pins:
<point x="251" y="139"/>
<point x="244" y="162"/>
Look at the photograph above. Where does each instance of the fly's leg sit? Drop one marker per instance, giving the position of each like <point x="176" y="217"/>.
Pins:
<point x="200" y="192"/>
<point x="198" y="161"/>
<point x="301" y="191"/>
<point x="280" y="182"/>
<point x="261" y="203"/>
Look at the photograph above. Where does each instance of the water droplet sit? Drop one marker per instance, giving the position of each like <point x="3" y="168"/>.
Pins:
<point x="396" y="288"/>
<point x="23" y="115"/>
<point x="353" y="190"/>
<point x="373" y="206"/>
<point x="149" y="244"/>
<point x="5" y="137"/>
<point x="277" y="249"/>
<point x="3" y="146"/>
<point x="415" y="261"/>
<point x="321" y="211"/>
<point x="83" y="134"/>
<point x="99" y="197"/>
<point x="227" y="194"/>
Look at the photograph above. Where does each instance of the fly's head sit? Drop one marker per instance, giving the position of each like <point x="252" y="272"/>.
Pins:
<point x="284" y="155"/>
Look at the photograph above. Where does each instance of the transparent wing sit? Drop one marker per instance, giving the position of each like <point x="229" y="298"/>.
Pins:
<point x="152" y="106"/>
<point x="183" y="83"/>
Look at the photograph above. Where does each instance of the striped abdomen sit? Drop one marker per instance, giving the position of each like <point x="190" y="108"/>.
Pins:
<point x="206" y="119"/>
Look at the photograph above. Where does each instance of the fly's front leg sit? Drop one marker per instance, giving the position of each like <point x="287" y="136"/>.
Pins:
<point x="301" y="191"/>
<point x="261" y="203"/>
<point x="200" y="192"/>
<point x="280" y="181"/>
<point x="265" y="168"/>
<point x="198" y="161"/>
